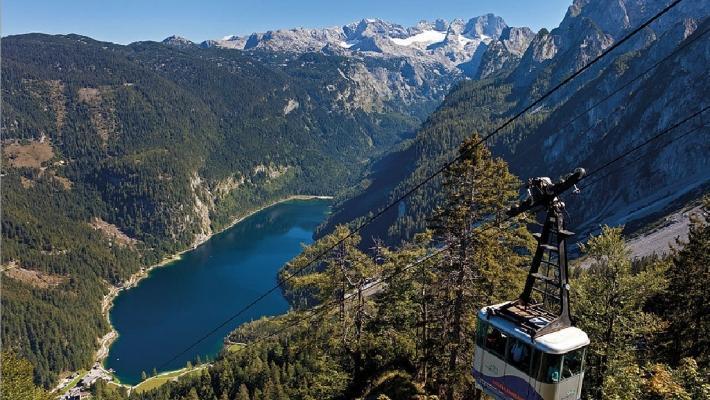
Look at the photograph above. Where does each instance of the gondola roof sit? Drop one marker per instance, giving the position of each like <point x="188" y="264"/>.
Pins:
<point x="559" y="342"/>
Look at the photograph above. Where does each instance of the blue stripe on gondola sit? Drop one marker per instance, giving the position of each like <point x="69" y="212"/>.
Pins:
<point x="507" y="387"/>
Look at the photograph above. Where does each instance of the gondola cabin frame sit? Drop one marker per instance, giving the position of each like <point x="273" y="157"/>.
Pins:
<point x="509" y="363"/>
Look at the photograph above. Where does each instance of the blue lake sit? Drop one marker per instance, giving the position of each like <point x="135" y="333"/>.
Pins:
<point x="181" y="302"/>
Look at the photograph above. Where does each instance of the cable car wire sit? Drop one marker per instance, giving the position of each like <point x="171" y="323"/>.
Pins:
<point x="645" y="143"/>
<point x="326" y="306"/>
<point x="423" y="182"/>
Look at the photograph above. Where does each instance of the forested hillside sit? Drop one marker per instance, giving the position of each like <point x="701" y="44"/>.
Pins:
<point x="651" y="82"/>
<point x="412" y="335"/>
<point x="116" y="156"/>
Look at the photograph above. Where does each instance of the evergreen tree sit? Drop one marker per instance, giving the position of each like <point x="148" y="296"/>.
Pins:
<point x="340" y="277"/>
<point x="192" y="394"/>
<point x="400" y="326"/>
<point x="608" y="300"/>
<point x="101" y="390"/>
<point x="16" y="379"/>
<point x="683" y="383"/>
<point x="480" y="265"/>
<point x="243" y="392"/>
<point x="687" y="305"/>
<point x="257" y="395"/>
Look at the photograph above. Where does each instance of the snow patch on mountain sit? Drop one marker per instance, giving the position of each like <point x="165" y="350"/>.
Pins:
<point x="427" y="37"/>
<point x="347" y="45"/>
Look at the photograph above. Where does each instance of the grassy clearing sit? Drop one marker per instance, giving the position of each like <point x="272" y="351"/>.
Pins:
<point x="161" y="379"/>
<point x="235" y="346"/>
<point x="31" y="155"/>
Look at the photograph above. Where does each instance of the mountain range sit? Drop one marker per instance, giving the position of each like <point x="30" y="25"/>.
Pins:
<point x="115" y="157"/>
<point x="455" y="47"/>
<point x="646" y="85"/>
<point x="396" y="63"/>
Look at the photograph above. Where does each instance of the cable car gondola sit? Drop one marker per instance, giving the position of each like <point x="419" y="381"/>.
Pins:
<point x="527" y="349"/>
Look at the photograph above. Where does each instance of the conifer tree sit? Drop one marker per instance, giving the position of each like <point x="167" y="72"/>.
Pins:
<point x="687" y="306"/>
<point x="340" y="277"/>
<point x="608" y="301"/>
<point x="257" y="395"/>
<point x="479" y="266"/>
<point x="16" y="381"/>
<point x="192" y="394"/>
<point x="243" y="392"/>
<point x="687" y="382"/>
<point x="399" y="327"/>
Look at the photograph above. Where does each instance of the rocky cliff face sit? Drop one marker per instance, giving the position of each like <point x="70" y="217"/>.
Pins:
<point x="630" y="107"/>
<point x="504" y="53"/>
<point x="390" y="65"/>
<point x="658" y="176"/>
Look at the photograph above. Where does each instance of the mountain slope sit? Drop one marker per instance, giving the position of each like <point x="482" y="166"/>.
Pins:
<point x="419" y="62"/>
<point x="116" y="156"/>
<point x="541" y="143"/>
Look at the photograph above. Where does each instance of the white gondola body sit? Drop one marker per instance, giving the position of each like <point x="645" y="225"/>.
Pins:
<point x="510" y="364"/>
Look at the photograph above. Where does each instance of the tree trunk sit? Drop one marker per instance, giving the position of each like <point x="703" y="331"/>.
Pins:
<point x="457" y="314"/>
<point x="357" y="356"/>
<point x="425" y="338"/>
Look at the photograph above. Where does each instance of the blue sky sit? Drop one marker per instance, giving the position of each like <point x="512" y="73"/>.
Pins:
<point x="125" y="21"/>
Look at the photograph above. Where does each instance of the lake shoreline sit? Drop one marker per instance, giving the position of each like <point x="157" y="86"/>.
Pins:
<point x="108" y="300"/>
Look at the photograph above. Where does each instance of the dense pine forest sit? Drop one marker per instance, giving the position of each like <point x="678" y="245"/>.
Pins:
<point x="413" y="337"/>
<point x="115" y="157"/>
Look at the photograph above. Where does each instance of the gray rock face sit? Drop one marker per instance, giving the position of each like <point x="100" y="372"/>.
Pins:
<point x="659" y="175"/>
<point x="485" y="25"/>
<point x="503" y="54"/>
<point x="178" y="41"/>
<point x="396" y="66"/>
<point x="449" y="44"/>
<point x="516" y="40"/>
<point x="631" y="104"/>
<point x="665" y="171"/>
<point x="229" y="42"/>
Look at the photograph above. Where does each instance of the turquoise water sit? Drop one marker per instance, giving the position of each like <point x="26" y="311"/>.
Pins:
<point x="177" y="304"/>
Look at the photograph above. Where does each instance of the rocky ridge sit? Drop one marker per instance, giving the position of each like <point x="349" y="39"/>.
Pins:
<point x="455" y="47"/>
<point x="629" y="106"/>
<point x="390" y="64"/>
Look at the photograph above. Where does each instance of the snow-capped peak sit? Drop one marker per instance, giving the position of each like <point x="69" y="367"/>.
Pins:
<point x="449" y="44"/>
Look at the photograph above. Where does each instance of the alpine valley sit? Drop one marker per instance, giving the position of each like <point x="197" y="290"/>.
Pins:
<point x="118" y="157"/>
<point x="636" y="91"/>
